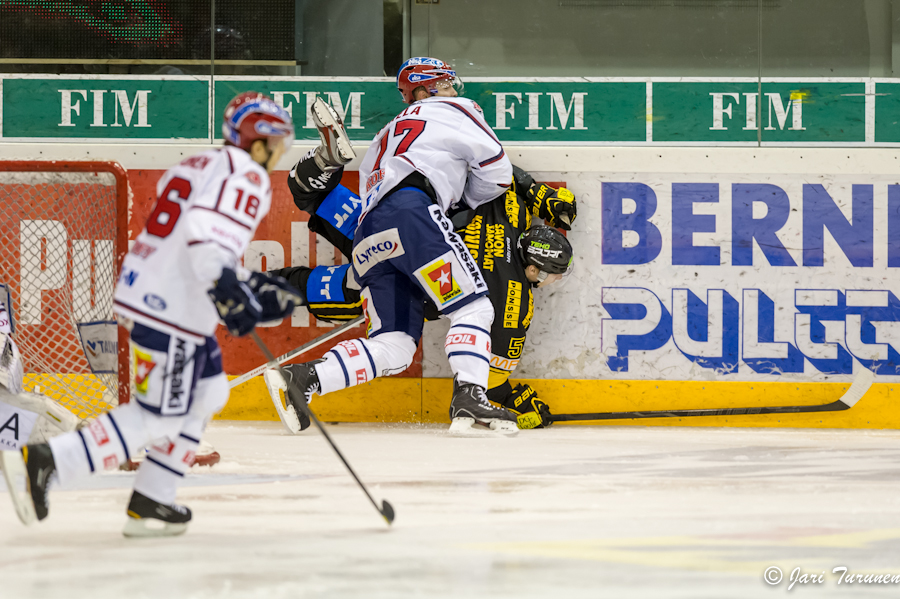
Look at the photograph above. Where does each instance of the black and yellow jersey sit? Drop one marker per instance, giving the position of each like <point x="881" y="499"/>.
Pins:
<point x="491" y="237"/>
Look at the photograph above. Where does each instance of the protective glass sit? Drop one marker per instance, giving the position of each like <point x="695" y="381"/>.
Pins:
<point x="285" y="142"/>
<point x="545" y="278"/>
<point x="455" y="83"/>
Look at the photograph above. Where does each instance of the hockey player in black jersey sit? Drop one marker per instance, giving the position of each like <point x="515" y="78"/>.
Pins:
<point x="514" y="256"/>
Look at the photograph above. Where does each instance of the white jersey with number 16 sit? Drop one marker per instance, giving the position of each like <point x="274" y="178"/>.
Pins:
<point x="207" y="210"/>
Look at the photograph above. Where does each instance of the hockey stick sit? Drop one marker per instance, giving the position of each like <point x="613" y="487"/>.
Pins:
<point x="386" y="510"/>
<point x="860" y="385"/>
<point x="296" y="352"/>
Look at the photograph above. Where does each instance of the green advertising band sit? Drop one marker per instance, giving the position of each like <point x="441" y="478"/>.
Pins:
<point x="557" y="111"/>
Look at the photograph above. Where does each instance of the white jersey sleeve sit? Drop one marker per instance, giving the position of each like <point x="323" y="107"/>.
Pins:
<point x="448" y="141"/>
<point x="207" y="211"/>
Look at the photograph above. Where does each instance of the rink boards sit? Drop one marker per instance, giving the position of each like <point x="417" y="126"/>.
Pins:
<point x="704" y="278"/>
<point x="428" y="400"/>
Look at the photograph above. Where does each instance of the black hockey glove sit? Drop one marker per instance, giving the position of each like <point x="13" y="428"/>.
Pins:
<point x="236" y="303"/>
<point x="523" y="180"/>
<point x="556" y="206"/>
<point x="275" y="296"/>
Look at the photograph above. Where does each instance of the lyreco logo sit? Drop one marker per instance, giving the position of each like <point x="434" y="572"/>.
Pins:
<point x="377" y="248"/>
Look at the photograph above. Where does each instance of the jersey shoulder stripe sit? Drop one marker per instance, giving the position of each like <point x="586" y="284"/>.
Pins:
<point x="490" y="161"/>
<point x="221" y="245"/>
<point x="123" y="307"/>
<point x="225" y="179"/>
<point x="472" y="118"/>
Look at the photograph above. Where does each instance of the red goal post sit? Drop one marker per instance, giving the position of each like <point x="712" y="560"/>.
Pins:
<point x="63" y="235"/>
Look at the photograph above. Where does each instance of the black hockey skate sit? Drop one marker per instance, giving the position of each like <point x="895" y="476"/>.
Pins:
<point x="302" y="381"/>
<point x="149" y="518"/>
<point x="335" y="150"/>
<point x="470" y="406"/>
<point x="35" y="464"/>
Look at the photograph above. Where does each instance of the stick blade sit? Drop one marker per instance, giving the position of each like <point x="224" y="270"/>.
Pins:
<point x="387" y="510"/>
<point x="861" y="384"/>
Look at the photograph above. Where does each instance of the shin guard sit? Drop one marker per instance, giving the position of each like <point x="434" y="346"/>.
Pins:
<point x="164" y="467"/>
<point x="101" y="445"/>
<point x="468" y="342"/>
<point x="358" y="361"/>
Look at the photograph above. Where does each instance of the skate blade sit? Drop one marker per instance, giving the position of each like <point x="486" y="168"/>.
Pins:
<point x="505" y="427"/>
<point x="469" y="427"/>
<point x="142" y="528"/>
<point x="286" y="413"/>
<point x="15" y="475"/>
<point x="324" y="118"/>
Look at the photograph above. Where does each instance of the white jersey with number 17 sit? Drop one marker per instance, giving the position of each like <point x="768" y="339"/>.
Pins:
<point x="207" y="210"/>
<point x="448" y="141"/>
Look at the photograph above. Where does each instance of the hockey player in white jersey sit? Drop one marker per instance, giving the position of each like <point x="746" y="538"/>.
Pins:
<point x="182" y="275"/>
<point x="437" y="153"/>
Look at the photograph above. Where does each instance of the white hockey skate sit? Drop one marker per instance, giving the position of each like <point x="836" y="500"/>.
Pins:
<point x="286" y="412"/>
<point x="470" y="408"/>
<point x="335" y="150"/>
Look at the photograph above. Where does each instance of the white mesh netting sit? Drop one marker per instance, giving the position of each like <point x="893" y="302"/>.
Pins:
<point x="58" y="257"/>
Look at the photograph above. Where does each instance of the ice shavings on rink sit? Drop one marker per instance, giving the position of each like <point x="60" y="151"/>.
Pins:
<point x="562" y="512"/>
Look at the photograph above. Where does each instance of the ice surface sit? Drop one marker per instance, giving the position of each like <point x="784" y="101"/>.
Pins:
<point x="617" y="512"/>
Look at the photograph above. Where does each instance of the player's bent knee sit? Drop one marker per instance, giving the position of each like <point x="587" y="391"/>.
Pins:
<point x="210" y="396"/>
<point x="392" y="352"/>
<point x="140" y="427"/>
<point x="479" y="313"/>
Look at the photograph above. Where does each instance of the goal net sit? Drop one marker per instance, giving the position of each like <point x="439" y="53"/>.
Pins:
<point x="63" y="233"/>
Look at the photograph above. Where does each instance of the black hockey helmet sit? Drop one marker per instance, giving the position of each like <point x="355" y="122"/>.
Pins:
<point x="548" y="250"/>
